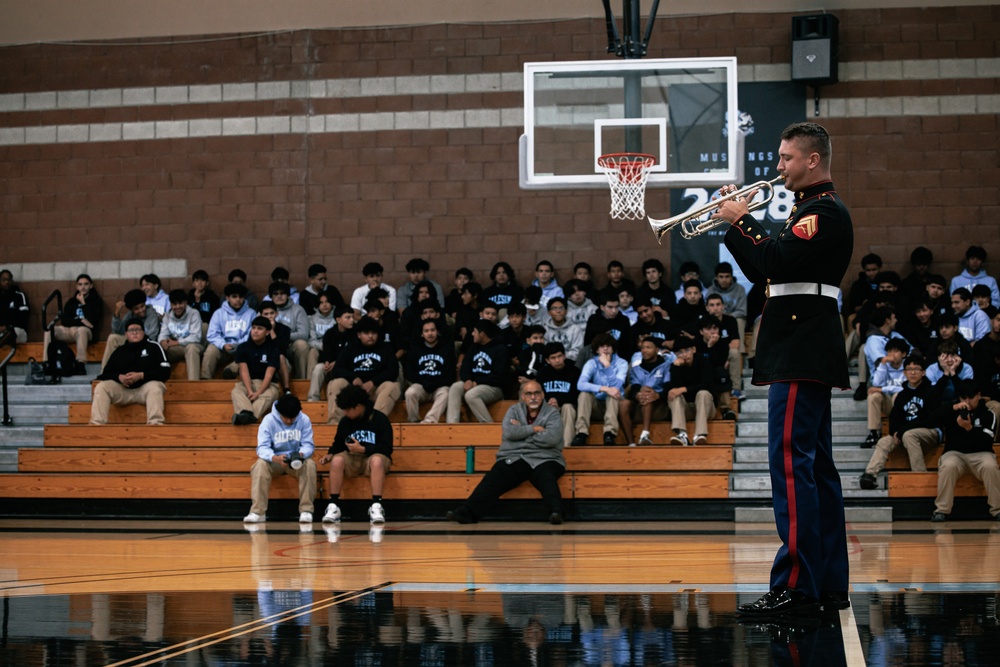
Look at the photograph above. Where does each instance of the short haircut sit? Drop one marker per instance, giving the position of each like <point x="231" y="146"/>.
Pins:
<point x="606" y="296"/>
<point x="554" y="301"/>
<point x="547" y="263"/>
<point x="963" y="293"/>
<point x="652" y="263"/>
<point x="881" y="315"/>
<point x="200" y="274"/>
<point x="288" y="406"/>
<point x="977" y="252"/>
<point x="366" y="325"/>
<point x="464" y="271"/>
<point x="134" y="321"/>
<point x="947" y="347"/>
<point x="6" y="272"/>
<point x="490" y="329"/>
<point x="948" y="319"/>
<point x="723" y="267"/>
<point x="513" y="309"/>
<point x="378" y="293"/>
<point x="237" y="273"/>
<point x="374" y="304"/>
<point x="897" y="344"/>
<point x="553" y="348"/>
<point x="572" y="286"/>
<point x="278" y="287"/>
<point x="235" y="289"/>
<point x="532" y="330"/>
<point x="921" y="256"/>
<point x="689" y="267"/>
<point x="714" y="297"/>
<point x="916" y="360"/>
<point x="134" y="297"/>
<point x="887" y="277"/>
<point x="871" y="258"/>
<point x="708" y="322"/>
<point x="352" y="396"/>
<point x="437" y="326"/>
<point x="981" y="290"/>
<point x="937" y="279"/>
<point x="615" y="263"/>
<point x="473" y="288"/>
<point x="694" y="282"/>
<point x="265" y="304"/>
<point x="642" y="302"/>
<point x="417" y="264"/>
<point x="602" y="339"/>
<point x="814" y="135"/>
<point x="683" y="343"/>
<point x="315" y="269"/>
<point x="178" y="296"/>
<point x="340" y="311"/>
<point x="506" y="269"/>
<point x="923" y="303"/>
<point x="626" y="288"/>
<point x="583" y="265"/>
<point x="261" y="321"/>
<point x="372" y="269"/>
<point x="150" y="278"/>
<point x="431" y="303"/>
<point x="966" y="389"/>
<point x="280" y="274"/>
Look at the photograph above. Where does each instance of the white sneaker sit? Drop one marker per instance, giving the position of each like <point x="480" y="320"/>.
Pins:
<point x="701" y="439"/>
<point x="375" y="533"/>
<point x="680" y="439"/>
<point x="254" y="518"/>
<point x="306" y="517"/>
<point x="644" y="438"/>
<point x="376" y="514"/>
<point x="332" y="533"/>
<point x="332" y="513"/>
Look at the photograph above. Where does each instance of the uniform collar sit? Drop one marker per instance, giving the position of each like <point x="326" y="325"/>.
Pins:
<point x="815" y="190"/>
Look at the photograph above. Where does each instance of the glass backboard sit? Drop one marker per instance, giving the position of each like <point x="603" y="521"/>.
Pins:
<point x="678" y="110"/>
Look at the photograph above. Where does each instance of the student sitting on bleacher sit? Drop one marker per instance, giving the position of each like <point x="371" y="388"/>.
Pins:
<point x="258" y="360"/>
<point x="180" y="334"/>
<point x="530" y="450"/>
<point x="335" y="339"/>
<point x="558" y="378"/>
<point x="912" y="423"/>
<point x="602" y="386"/>
<point x="362" y="446"/>
<point x="689" y="393"/>
<point x="369" y="363"/>
<point x="429" y="367"/>
<point x="285" y="446"/>
<point x="887" y="381"/>
<point x="80" y="319"/>
<point x="135" y="373"/>
<point x="230" y="326"/>
<point x="13" y="307"/>
<point x="648" y="374"/>
<point x="482" y="375"/>
<point x="968" y="448"/>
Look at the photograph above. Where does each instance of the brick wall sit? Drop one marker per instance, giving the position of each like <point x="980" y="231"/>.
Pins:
<point x="347" y="146"/>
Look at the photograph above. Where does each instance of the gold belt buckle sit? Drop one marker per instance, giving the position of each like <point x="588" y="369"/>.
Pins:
<point x="767" y="291"/>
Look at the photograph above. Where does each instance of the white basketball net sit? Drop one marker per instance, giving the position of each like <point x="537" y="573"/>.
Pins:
<point x="627" y="174"/>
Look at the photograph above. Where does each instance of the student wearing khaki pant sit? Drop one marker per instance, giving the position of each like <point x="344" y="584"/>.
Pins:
<point x="135" y="373"/>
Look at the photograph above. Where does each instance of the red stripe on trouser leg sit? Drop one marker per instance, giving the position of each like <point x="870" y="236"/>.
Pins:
<point x="786" y="444"/>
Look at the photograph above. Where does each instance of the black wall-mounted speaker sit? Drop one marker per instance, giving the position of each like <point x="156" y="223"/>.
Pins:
<point x="814" y="49"/>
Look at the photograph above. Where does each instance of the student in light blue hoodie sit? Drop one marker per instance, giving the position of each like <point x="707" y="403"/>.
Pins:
<point x="974" y="273"/>
<point x="601" y="383"/>
<point x="285" y="446"/>
<point x="229" y="326"/>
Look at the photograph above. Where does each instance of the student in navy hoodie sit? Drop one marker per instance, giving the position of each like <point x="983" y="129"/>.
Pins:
<point x="482" y="374"/>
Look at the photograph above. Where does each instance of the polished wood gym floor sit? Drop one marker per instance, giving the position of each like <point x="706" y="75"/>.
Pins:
<point x="435" y="593"/>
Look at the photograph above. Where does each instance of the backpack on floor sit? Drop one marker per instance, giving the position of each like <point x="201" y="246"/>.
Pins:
<point x="62" y="362"/>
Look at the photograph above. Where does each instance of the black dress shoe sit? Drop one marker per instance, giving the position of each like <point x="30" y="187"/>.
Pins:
<point x="460" y="515"/>
<point x="834" y="600"/>
<point x="555" y="518"/>
<point x="610" y="439"/>
<point x="580" y="440"/>
<point x="780" y="602"/>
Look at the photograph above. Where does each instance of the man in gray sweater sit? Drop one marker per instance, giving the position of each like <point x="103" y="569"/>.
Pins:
<point x="530" y="450"/>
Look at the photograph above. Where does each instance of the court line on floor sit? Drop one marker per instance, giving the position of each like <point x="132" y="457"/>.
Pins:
<point x="853" y="651"/>
<point x="158" y="656"/>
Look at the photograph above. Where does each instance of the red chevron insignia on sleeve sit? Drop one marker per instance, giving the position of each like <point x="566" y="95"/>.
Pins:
<point x="807" y="227"/>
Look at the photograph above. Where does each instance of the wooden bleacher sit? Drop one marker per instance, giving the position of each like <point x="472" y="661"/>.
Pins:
<point x="904" y="483"/>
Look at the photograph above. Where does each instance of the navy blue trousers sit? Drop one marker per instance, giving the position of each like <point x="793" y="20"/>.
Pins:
<point x="806" y="492"/>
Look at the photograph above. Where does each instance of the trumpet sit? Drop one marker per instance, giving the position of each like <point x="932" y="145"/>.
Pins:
<point x="700" y="220"/>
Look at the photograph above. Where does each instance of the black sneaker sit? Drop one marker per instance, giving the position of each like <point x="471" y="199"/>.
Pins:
<point x="868" y="481"/>
<point x="939" y="517"/>
<point x="555" y="518"/>
<point x="580" y="440"/>
<point x="460" y="515"/>
<point x="228" y="373"/>
<point x="245" y="418"/>
<point x="728" y="415"/>
<point x="870" y="441"/>
<point x="609" y="439"/>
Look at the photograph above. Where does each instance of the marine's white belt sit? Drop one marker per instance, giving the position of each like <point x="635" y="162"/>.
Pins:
<point x="796" y="289"/>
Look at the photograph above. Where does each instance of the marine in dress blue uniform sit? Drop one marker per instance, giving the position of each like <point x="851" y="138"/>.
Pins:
<point x="800" y="355"/>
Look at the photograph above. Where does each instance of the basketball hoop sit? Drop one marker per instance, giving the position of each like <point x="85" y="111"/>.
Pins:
<point x="627" y="173"/>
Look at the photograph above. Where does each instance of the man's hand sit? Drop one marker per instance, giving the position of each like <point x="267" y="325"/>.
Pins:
<point x="537" y="428"/>
<point x="229" y="347"/>
<point x="368" y="386"/>
<point x="675" y="392"/>
<point x="604" y="358"/>
<point x="120" y="309"/>
<point x="553" y="402"/>
<point x="326" y="459"/>
<point x="732" y="210"/>
<point x="965" y="422"/>
<point x="328" y="366"/>
<point x="278" y="458"/>
<point x="469" y="384"/>
<point x="613" y="392"/>
<point x="874" y="390"/>
<point x="168" y="343"/>
<point x="354" y="447"/>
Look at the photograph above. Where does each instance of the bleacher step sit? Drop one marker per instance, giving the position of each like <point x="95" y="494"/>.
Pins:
<point x="852" y="514"/>
<point x="849" y="457"/>
<point x="841" y="428"/>
<point x="840" y="408"/>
